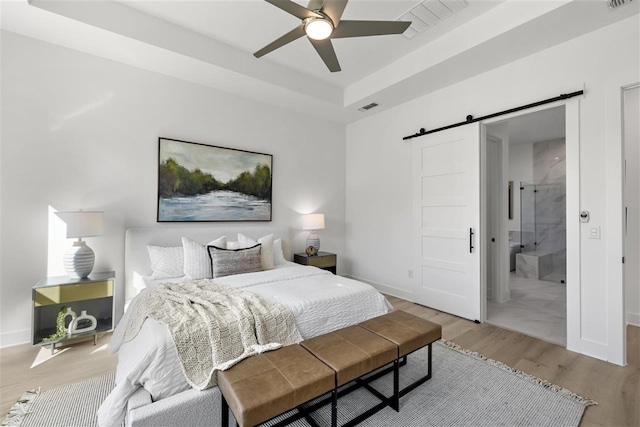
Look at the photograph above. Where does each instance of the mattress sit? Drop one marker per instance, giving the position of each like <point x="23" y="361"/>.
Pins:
<point x="320" y="301"/>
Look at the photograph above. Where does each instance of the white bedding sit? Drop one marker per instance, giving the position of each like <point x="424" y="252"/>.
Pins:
<point x="320" y="301"/>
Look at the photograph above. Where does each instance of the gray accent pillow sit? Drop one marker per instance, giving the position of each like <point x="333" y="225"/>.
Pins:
<point x="225" y="262"/>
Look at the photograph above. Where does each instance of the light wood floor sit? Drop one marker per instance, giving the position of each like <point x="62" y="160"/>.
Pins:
<point x="615" y="388"/>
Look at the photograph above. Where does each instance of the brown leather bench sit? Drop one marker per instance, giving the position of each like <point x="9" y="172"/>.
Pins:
<point x="266" y="385"/>
<point x="409" y="333"/>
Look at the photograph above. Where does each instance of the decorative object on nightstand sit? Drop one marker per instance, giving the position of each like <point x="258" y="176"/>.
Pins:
<point x="73" y="315"/>
<point x="83" y="323"/>
<point x="79" y="259"/>
<point x="323" y="260"/>
<point x="313" y="222"/>
<point x="55" y="299"/>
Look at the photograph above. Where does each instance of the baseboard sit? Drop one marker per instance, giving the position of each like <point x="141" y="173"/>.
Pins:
<point x="9" y="339"/>
<point x="633" y="319"/>
<point x="386" y="289"/>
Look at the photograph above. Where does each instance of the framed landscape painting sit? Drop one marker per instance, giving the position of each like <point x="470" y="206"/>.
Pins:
<point x="198" y="182"/>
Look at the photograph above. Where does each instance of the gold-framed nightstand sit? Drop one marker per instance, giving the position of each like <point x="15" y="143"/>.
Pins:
<point x="324" y="260"/>
<point x="94" y="294"/>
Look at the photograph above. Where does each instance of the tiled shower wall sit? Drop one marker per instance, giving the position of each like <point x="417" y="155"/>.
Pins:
<point x="549" y="172"/>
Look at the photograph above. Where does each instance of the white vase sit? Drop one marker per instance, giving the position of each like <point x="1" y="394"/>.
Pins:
<point x="79" y="260"/>
<point x="73" y="327"/>
<point x="73" y="316"/>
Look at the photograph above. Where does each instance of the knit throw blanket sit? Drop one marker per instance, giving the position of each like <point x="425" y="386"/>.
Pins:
<point x="213" y="326"/>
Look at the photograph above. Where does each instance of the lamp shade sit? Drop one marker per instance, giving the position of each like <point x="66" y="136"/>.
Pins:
<point x="313" y="222"/>
<point x="82" y="223"/>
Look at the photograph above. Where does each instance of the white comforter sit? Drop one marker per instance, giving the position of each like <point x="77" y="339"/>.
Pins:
<point x="320" y="301"/>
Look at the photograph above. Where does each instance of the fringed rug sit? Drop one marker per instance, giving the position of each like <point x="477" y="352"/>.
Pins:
<point x="74" y="405"/>
<point x="466" y="389"/>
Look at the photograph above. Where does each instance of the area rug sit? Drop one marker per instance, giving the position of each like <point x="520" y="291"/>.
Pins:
<point x="74" y="405"/>
<point x="466" y="390"/>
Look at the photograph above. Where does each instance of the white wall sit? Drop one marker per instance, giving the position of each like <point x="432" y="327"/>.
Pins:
<point x="520" y="170"/>
<point x="82" y="132"/>
<point x="378" y="219"/>
<point x="632" y="199"/>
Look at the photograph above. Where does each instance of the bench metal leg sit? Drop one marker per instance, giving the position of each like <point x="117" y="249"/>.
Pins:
<point x="430" y="357"/>
<point x="395" y="403"/>
<point x="334" y="407"/>
<point x="225" y="412"/>
<point x="422" y="380"/>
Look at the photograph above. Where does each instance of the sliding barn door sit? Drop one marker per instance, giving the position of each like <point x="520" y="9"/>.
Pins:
<point x="446" y="184"/>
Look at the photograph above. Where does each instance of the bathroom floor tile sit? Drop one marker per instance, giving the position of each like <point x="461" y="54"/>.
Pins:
<point x="537" y="308"/>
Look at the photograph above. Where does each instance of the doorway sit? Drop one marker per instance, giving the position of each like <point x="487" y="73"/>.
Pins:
<point x="631" y="194"/>
<point x="526" y="217"/>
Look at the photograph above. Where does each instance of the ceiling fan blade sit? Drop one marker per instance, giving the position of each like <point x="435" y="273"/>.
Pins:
<point x="292" y="35"/>
<point x="294" y="9"/>
<point x="326" y="52"/>
<point x="334" y="9"/>
<point x="315" y="4"/>
<point x="368" y="28"/>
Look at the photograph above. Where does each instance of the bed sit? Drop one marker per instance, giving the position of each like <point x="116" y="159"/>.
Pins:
<point x="150" y="387"/>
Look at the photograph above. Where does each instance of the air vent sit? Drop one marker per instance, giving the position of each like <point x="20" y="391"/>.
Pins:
<point x="368" y="107"/>
<point x="429" y="12"/>
<point x="614" y="3"/>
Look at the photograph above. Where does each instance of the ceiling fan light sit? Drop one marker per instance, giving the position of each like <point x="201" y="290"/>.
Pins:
<point x="318" y="28"/>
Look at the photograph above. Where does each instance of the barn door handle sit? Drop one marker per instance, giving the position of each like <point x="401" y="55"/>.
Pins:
<point x="471" y="240"/>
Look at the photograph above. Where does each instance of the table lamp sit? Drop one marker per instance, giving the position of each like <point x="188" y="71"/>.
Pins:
<point x="313" y="222"/>
<point x="79" y="259"/>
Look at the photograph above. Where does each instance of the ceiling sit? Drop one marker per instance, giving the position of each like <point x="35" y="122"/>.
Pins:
<point x="249" y="25"/>
<point x="547" y="124"/>
<point x="543" y="125"/>
<point x="211" y="42"/>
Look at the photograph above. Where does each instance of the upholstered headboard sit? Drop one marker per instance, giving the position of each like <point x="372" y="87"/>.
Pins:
<point x="136" y="255"/>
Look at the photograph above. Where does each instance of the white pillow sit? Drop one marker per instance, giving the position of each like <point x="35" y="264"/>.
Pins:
<point x="197" y="264"/>
<point x="166" y="262"/>
<point x="266" y="252"/>
<point x="278" y="255"/>
<point x="245" y="241"/>
<point x="220" y="242"/>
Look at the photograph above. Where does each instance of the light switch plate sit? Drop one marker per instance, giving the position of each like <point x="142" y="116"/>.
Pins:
<point x="594" y="232"/>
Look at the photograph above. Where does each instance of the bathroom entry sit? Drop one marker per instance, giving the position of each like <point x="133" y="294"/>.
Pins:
<point x="526" y="179"/>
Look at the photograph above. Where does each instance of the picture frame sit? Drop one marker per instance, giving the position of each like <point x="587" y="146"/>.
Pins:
<point x="207" y="183"/>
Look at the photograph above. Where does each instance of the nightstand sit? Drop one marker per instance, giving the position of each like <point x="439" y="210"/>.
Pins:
<point x="94" y="294"/>
<point x="324" y="260"/>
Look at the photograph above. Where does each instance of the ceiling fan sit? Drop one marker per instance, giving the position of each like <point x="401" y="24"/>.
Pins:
<point x="321" y="23"/>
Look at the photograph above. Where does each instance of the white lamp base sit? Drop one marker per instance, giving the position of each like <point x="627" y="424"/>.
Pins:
<point x="79" y="260"/>
<point x="314" y="240"/>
